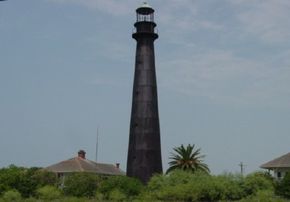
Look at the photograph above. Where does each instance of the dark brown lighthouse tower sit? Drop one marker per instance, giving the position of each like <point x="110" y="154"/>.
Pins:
<point x="144" y="153"/>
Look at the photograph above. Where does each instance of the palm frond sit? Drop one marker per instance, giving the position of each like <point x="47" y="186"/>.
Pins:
<point x="187" y="158"/>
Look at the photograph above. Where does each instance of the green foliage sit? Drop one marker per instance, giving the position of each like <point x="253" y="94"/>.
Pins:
<point x="187" y="159"/>
<point x="74" y="199"/>
<point x="24" y="180"/>
<point x="283" y="187"/>
<point x="178" y="186"/>
<point x="9" y="177"/>
<point x="199" y="186"/>
<point x="231" y="186"/>
<point x="263" y="196"/>
<point x="43" y="178"/>
<point x="99" y="196"/>
<point x="12" y="196"/>
<point x="81" y="184"/>
<point x="117" y="195"/>
<point x="48" y="192"/>
<point x="257" y="181"/>
<point x="128" y="186"/>
<point x="31" y="199"/>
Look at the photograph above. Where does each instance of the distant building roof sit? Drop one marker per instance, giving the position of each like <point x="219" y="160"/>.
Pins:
<point x="81" y="164"/>
<point x="280" y="162"/>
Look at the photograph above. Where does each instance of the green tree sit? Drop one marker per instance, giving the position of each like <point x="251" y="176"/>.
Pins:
<point x="43" y="178"/>
<point x="257" y="181"/>
<point x="188" y="159"/>
<point x="48" y="192"/>
<point x="81" y="184"/>
<point x="9" y="178"/>
<point x="127" y="185"/>
<point x="198" y="186"/>
<point x="283" y="187"/>
<point x="12" y="196"/>
<point x="25" y="180"/>
<point x="117" y="195"/>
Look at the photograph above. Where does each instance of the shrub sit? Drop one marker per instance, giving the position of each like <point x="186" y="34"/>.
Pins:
<point x="199" y="186"/>
<point x="230" y="186"/>
<point x="126" y="185"/>
<point x="116" y="195"/>
<point x="256" y="182"/>
<point x="3" y="187"/>
<point x="81" y="184"/>
<point x="99" y="196"/>
<point x="283" y="187"/>
<point x="48" y="193"/>
<point x="263" y="196"/>
<point x="11" y="178"/>
<point x="12" y="196"/>
<point x="177" y="186"/>
<point x="74" y="199"/>
<point x="43" y="178"/>
<point x="25" y="180"/>
<point x="31" y="200"/>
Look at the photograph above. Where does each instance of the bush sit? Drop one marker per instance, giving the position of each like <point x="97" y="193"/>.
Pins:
<point x="187" y="186"/>
<point x="117" y="195"/>
<point x="263" y="196"/>
<point x="256" y="182"/>
<point x="10" y="178"/>
<point x="177" y="186"/>
<point x="48" y="193"/>
<point x="43" y="178"/>
<point x="99" y="196"/>
<point x="12" y="196"/>
<point x="283" y="187"/>
<point x="126" y="185"/>
<point x="25" y="180"/>
<point x="31" y="200"/>
<point x="81" y="184"/>
<point x="3" y="187"/>
<point x="74" y="199"/>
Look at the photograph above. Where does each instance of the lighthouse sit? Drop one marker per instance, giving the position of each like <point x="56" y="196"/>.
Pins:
<point x="144" y="152"/>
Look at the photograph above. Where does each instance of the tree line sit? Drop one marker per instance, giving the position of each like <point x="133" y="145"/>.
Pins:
<point x="187" y="179"/>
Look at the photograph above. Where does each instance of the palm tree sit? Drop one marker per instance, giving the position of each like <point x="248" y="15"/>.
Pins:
<point x="187" y="159"/>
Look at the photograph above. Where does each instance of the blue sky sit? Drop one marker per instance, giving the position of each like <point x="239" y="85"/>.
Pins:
<point x="66" y="69"/>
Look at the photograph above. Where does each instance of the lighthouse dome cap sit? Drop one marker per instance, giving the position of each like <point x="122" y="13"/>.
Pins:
<point x="145" y="9"/>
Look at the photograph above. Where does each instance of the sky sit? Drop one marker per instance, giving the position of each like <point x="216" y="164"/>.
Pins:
<point x="67" y="66"/>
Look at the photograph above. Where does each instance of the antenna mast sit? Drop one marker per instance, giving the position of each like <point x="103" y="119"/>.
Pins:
<point x="97" y="144"/>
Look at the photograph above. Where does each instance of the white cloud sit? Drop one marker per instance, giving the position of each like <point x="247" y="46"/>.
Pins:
<point x="267" y="19"/>
<point x="113" y="7"/>
<point x="225" y="78"/>
<point x="233" y="76"/>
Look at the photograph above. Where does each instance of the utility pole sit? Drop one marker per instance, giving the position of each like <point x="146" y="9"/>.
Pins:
<point x="242" y="166"/>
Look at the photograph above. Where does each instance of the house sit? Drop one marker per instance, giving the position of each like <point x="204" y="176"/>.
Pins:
<point x="280" y="166"/>
<point x="81" y="164"/>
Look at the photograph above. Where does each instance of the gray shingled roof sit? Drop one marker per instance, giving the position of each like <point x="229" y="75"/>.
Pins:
<point x="280" y="162"/>
<point x="78" y="164"/>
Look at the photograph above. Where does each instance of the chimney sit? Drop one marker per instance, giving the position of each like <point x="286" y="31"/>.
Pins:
<point x="118" y="165"/>
<point x="82" y="154"/>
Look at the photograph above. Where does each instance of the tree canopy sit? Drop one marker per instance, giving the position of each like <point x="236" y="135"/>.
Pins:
<point x="188" y="159"/>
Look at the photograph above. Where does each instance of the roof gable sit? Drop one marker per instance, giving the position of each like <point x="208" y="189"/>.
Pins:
<point x="280" y="162"/>
<point x="78" y="164"/>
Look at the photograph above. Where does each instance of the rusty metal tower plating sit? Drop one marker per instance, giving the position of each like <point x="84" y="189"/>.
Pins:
<point x="144" y="153"/>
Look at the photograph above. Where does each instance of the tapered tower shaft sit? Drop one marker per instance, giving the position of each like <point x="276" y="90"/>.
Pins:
<point x="144" y="153"/>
